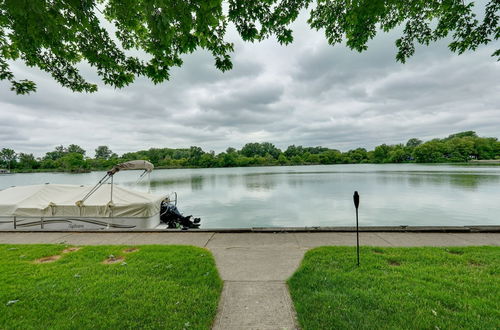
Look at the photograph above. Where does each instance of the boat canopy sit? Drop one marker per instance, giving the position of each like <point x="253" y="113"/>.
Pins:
<point x="56" y="200"/>
<point x="132" y="165"/>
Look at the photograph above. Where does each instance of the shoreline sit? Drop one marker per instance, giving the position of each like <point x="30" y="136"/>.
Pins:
<point x="486" y="161"/>
<point x="493" y="162"/>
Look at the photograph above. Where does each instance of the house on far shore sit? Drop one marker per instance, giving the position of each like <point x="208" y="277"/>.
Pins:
<point x="4" y="171"/>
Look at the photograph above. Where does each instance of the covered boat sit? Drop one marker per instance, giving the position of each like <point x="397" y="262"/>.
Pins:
<point x="103" y="206"/>
<point x="59" y="207"/>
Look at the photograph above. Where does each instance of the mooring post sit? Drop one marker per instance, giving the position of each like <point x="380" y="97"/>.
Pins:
<point x="356" y="205"/>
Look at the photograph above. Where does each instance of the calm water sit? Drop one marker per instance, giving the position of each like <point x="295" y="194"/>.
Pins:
<point x="300" y="196"/>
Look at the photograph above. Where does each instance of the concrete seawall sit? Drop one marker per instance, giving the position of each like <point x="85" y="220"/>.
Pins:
<point x="340" y="229"/>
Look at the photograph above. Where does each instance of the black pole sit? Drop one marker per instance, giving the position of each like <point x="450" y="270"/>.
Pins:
<point x="356" y="205"/>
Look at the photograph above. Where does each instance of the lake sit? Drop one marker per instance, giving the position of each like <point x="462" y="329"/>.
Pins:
<point x="298" y="196"/>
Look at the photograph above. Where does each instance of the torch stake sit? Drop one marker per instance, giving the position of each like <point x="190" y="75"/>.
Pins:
<point x="357" y="236"/>
<point x="355" y="198"/>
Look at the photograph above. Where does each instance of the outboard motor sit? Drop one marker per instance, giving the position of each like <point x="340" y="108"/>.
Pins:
<point x="171" y="216"/>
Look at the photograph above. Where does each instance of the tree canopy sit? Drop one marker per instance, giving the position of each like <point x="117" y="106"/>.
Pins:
<point x="56" y="36"/>
<point x="460" y="147"/>
<point x="103" y="152"/>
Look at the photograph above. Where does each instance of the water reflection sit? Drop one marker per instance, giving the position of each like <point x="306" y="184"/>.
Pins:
<point x="196" y="182"/>
<point x="261" y="181"/>
<point x="406" y="194"/>
<point x="473" y="181"/>
<point x="461" y="180"/>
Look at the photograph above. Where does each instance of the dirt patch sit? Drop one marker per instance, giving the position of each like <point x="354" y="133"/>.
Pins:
<point x="71" y="249"/>
<point x="47" y="259"/>
<point x="394" y="263"/>
<point x="455" y="252"/>
<point x="475" y="264"/>
<point x="378" y="251"/>
<point x="113" y="260"/>
<point x="130" y="250"/>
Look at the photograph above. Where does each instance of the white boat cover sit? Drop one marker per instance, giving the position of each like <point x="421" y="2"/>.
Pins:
<point x="56" y="200"/>
<point x="133" y="165"/>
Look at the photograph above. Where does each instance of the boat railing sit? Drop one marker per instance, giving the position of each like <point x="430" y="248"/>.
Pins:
<point x="21" y="221"/>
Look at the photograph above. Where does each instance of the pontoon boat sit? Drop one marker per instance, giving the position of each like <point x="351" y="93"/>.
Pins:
<point x="103" y="206"/>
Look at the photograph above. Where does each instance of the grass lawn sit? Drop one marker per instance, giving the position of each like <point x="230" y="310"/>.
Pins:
<point x="398" y="288"/>
<point x="153" y="287"/>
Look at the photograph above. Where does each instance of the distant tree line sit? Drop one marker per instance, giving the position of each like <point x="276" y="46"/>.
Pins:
<point x="460" y="147"/>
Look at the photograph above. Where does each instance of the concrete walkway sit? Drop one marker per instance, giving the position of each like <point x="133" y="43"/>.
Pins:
<point x="255" y="266"/>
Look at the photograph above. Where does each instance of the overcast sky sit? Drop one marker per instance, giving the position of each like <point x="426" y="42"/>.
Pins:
<point x="307" y="93"/>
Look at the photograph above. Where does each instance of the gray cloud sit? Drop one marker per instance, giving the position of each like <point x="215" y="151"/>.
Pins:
<point x="308" y="93"/>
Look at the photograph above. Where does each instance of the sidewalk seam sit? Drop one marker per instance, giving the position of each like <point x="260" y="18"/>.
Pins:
<point x="378" y="235"/>
<point x="62" y="237"/>
<point x="297" y="240"/>
<point x="208" y="241"/>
